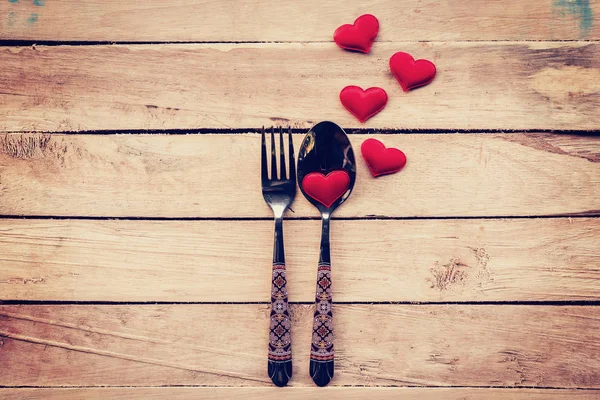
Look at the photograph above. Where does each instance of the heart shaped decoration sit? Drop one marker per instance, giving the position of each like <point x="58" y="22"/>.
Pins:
<point x="410" y="73"/>
<point x="363" y="104"/>
<point x="358" y="36"/>
<point x="382" y="160"/>
<point x="326" y="189"/>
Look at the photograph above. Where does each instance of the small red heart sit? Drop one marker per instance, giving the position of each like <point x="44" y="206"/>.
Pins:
<point x="358" y="36"/>
<point x="382" y="160"/>
<point x="326" y="189"/>
<point x="363" y="104"/>
<point x="410" y="73"/>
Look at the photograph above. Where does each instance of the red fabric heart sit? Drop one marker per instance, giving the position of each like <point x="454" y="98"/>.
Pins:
<point x="363" y="104"/>
<point x="358" y="36"/>
<point x="326" y="189"/>
<point x="381" y="160"/>
<point x="410" y="73"/>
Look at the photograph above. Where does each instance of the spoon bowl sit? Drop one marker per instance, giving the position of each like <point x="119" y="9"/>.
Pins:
<point x="325" y="149"/>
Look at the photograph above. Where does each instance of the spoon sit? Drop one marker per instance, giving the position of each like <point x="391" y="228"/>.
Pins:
<point x="326" y="175"/>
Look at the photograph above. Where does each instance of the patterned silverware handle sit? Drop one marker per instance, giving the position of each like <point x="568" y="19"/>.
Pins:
<point x="280" y="341"/>
<point x="321" y="352"/>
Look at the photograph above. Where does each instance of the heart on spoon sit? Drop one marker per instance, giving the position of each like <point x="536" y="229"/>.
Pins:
<point x="382" y="160"/>
<point x="358" y="36"/>
<point x="363" y="104"/>
<point x="410" y="73"/>
<point x="326" y="189"/>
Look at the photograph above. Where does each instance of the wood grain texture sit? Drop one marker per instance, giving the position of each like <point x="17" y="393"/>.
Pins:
<point x="311" y="20"/>
<point x="225" y="345"/>
<point x="297" y="393"/>
<point x="229" y="261"/>
<point x="217" y="175"/>
<point x="480" y="85"/>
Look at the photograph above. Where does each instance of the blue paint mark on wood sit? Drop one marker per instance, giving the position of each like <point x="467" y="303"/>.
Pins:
<point x="11" y="18"/>
<point x="13" y="1"/>
<point x="579" y="8"/>
<point x="39" y="3"/>
<point x="33" y="17"/>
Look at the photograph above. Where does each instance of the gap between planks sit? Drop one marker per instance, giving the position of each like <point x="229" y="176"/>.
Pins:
<point x="51" y="43"/>
<point x="334" y="393"/>
<point x="590" y="214"/>
<point x="579" y="303"/>
<point x="350" y="130"/>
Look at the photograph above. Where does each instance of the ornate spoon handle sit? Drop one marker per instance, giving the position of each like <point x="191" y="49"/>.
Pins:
<point x="321" y="351"/>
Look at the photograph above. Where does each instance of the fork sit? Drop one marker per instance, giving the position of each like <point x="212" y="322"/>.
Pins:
<point x="279" y="192"/>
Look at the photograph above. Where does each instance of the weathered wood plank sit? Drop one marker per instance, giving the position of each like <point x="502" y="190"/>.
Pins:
<point x="491" y="85"/>
<point x="310" y="20"/>
<point x="224" y="345"/>
<point x="296" y="393"/>
<point x="217" y="176"/>
<point x="229" y="261"/>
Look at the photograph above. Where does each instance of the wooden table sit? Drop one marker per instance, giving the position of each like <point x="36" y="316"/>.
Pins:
<point x="135" y="245"/>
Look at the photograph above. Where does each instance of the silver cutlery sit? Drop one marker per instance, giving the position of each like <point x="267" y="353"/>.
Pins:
<point x="325" y="150"/>
<point x="279" y="192"/>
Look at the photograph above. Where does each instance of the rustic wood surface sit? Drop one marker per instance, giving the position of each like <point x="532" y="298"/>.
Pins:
<point x="203" y="261"/>
<point x="308" y="20"/>
<point x="541" y="85"/>
<point x="297" y="393"/>
<point x="224" y="345"/>
<point x="472" y="274"/>
<point x="216" y="175"/>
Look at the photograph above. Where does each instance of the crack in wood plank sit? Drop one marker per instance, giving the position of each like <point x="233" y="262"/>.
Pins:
<point x="139" y="359"/>
<point x="551" y="144"/>
<point x="120" y="335"/>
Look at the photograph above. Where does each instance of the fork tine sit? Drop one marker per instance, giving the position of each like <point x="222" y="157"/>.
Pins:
<point x="292" y="161"/>
<point x="273" y="156"/>
<point x="282" y="166"/>
<point x="264" y="173"/>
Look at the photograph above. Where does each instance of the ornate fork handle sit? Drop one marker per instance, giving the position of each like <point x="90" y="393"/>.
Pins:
<point x="280" y="341"/>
